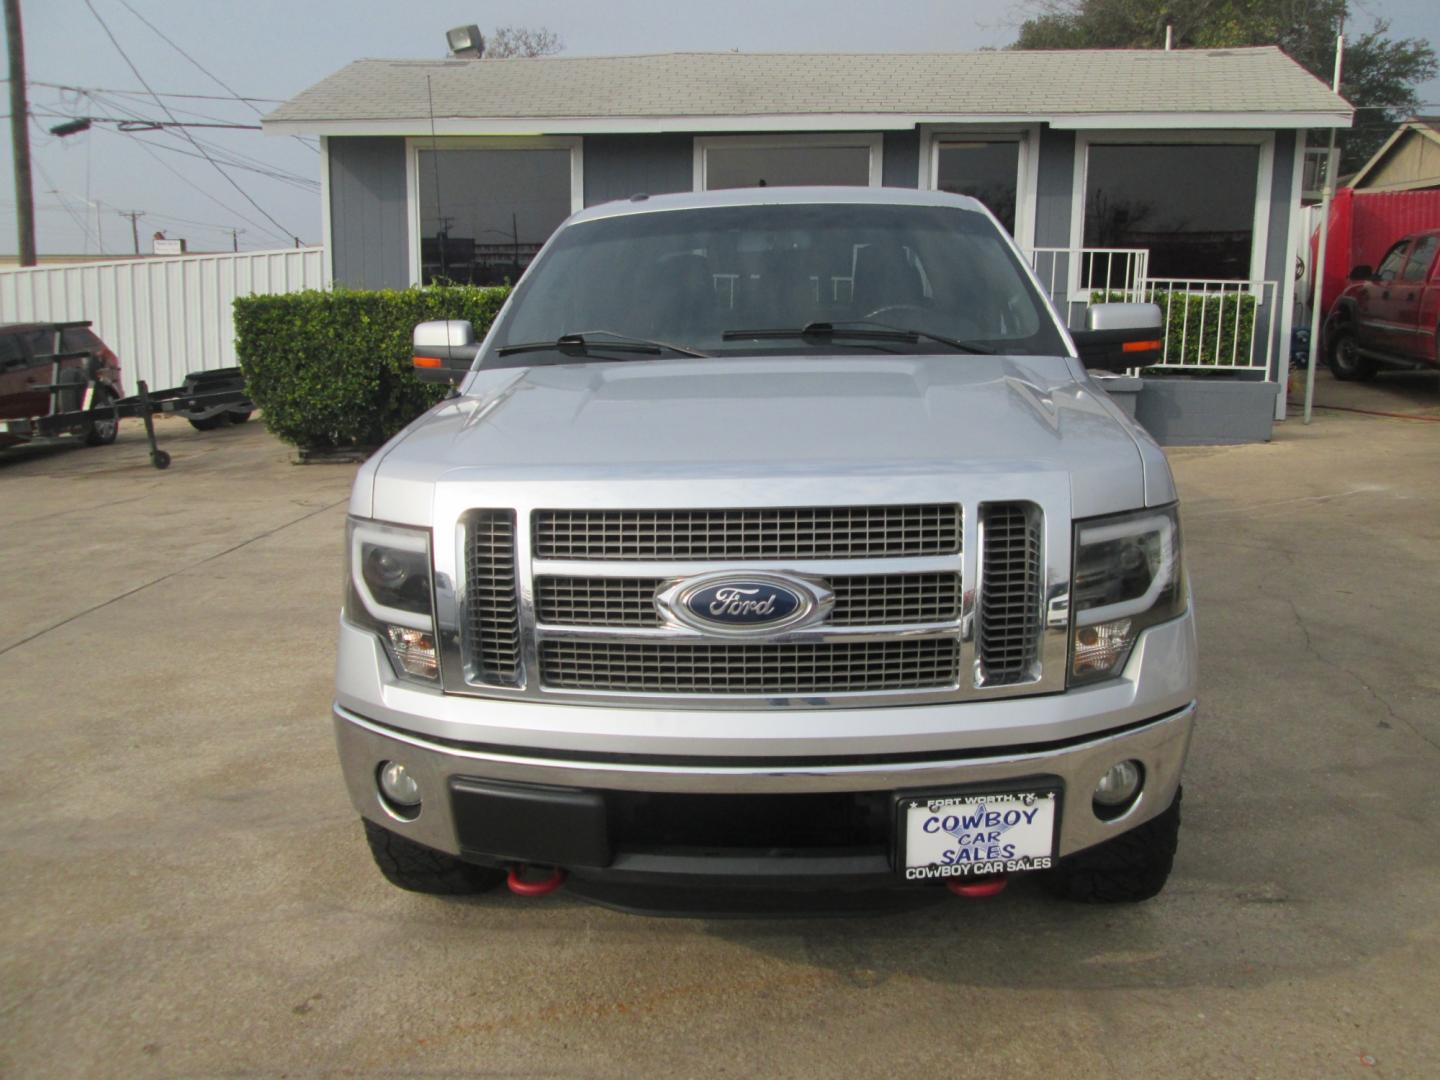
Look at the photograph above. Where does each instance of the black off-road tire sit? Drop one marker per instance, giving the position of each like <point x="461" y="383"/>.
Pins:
<point x="1344" y="359"/>
<point x="210" y="423"/>
<point x="1132" y="867"/>
<point x="421" y="869"/>
<point x="238" y="417"/>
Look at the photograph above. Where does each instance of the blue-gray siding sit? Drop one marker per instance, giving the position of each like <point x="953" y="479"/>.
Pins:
<point x="900" y="163"/>
<point x="618" y="166"/>
<point x="369" y="223"/>
<point x="1054" y="187"/>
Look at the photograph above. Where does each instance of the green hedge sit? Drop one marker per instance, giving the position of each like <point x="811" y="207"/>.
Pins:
<point x="1186" y="331"/>
<point x="332" y="369"/>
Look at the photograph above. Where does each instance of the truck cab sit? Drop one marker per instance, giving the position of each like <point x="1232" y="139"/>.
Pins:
<point x="1388" y="315"/>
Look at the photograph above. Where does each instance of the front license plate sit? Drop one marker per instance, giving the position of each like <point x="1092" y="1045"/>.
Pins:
<point x="966" y="835"/>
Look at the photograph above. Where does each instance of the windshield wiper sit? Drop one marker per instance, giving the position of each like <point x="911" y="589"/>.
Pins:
<point x="857" y="330"/>
<point x="577" y="343"/>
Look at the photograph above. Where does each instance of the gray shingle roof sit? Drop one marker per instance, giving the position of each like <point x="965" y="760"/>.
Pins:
<point x="1013" y="84"/>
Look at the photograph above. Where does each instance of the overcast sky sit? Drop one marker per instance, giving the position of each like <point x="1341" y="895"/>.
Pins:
<point x="275" y="48"/>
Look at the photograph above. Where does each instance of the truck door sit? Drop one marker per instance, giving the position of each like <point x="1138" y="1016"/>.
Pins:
<point x="1416" y="336"/>
<point x="1377" y="306"/>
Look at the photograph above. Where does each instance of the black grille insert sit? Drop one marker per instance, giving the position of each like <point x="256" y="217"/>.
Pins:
<point x="759" y="669"/>
<point x="493" y="608"/>
<point x="816" y="532"/>
<point x="1011" y="590"/>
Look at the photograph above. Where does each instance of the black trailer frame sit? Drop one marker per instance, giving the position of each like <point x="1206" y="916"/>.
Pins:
<point x="205" y="394"/>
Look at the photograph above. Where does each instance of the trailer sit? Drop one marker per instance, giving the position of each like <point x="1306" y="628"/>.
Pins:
<point x="207" y="399"/>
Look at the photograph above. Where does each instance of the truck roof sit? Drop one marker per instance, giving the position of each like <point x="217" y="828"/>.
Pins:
<point x="775" y="196"/>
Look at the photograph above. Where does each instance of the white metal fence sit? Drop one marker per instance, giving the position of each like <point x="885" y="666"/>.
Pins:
<point x="1215" y="323"/>
<point x="163" y="317"/>
<point x="1209" y="322"/>
<point x="1068" y="275"/>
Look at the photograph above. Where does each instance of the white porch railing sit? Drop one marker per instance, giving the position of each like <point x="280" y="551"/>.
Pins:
<point x="1209" y="322"/>
<point x="1069" y="275"/>
<point x="1216" y="323"/>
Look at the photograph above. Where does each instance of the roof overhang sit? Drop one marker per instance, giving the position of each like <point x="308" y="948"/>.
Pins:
<point x="607" y="125"/>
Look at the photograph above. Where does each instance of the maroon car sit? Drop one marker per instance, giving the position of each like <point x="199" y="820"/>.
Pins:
<point x="1389" y="315"/>
<point x="45" y="368"/>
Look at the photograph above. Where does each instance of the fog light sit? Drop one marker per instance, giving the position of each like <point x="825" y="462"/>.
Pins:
<point x="1119" y="784"/>
<point x="397" y="785"/>
<point x="415" y="650"/>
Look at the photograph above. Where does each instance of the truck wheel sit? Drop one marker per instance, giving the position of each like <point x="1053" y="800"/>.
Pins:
<point x="421" y="869"/>
<point x="1134" y="866"/>
<point x="1344" y="357"/>
<point x="102" y="430"/>
<point x="238" y="417"/>
<point x="210" y="423"/>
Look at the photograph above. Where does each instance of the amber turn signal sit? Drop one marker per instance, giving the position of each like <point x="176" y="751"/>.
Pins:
<point x="426" y="361"/>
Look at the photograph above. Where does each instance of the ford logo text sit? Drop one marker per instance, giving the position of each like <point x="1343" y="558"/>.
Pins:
<point x="737" y="605"/>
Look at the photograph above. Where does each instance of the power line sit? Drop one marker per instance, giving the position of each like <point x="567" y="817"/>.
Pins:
<point x="196" y="63"/>
<point x="139" y="93"/>
<point x="145" y="146"/>
<point x="228" y="178"/>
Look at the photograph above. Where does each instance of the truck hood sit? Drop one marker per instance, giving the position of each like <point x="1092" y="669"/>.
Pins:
<point x="761" y="419"/>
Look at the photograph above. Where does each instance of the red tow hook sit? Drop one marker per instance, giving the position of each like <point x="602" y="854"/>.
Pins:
<point x="979" y="889"/>
<point x="520" y="887"/>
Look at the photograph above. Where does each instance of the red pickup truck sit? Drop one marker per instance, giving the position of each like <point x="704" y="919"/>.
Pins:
<point x="1389" y="315"/>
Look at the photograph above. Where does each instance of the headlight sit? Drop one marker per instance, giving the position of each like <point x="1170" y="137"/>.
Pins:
<point x="1128" y="576"/>
<point x="388" y="591"/>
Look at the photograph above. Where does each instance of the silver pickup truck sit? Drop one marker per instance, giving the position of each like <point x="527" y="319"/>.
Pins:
<point x="773" y="542"/>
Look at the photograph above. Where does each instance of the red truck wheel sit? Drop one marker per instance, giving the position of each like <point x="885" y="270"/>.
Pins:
<point x="1344" y="357"/>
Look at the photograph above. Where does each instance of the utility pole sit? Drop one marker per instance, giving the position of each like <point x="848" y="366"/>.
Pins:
<point x="134" y="216"/>
<point x="235" y="239"/>
<point x="20" y="135"/>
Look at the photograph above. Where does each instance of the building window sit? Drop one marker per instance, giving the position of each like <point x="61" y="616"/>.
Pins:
<point x="987" y="170"/>
<point x="787" y="161"/>
<point x="485" y="211"/>
<point x="1192" y="206"/>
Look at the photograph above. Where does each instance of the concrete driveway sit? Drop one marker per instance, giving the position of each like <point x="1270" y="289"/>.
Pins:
<point x="185" y="890"/>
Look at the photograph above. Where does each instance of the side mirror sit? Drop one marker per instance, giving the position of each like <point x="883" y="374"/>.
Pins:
<point x="1121" y="336"/>
<point x="443" y="350"/>
<point x="1362" y="272"/>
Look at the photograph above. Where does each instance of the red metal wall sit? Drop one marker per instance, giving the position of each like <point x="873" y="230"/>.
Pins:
<point x="1363" y="225"/>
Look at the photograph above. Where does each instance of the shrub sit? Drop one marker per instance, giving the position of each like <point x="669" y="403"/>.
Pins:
<point x="332" y="369"/>
<point x="1193" y="322"/>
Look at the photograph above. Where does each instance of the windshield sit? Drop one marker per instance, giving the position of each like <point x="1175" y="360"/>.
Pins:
<point x="710" y="280"/>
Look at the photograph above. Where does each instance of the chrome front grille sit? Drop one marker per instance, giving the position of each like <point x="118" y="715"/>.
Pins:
<point x="759" y="669"/>
<point x="563" y="602"/>
<point x="493" y="608"/>
<point x="815" y="532"/>
<point x="860" y="600"/>
<point x="1011" y="592"/>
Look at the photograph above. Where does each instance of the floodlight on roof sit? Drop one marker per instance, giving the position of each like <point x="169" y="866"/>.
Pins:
<point x="466" y="42"/>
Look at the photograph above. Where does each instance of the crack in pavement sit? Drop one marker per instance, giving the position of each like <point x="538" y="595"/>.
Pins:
<point x="1380" y="699"/>
<point x="173" y="573"/>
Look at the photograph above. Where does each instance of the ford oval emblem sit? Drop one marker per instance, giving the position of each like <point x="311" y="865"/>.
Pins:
<point x="732" y="604"/>
<point x="743" y="603"/>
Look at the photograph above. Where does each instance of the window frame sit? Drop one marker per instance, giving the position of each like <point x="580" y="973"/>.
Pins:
<point x="1260" y="214"/>
<point x="1423" y="268"/>
<point x="872" y="141"/>
<point x="1027" y="174"/>
<point x="415" y="144"/>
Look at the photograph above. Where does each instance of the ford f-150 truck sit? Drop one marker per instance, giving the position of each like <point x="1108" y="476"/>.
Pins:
<point x="773" y="541"/>
<point x="1389" y="315"/>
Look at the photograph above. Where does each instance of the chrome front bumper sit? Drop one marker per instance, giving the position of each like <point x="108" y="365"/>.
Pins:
<point x="1159" y="743"/>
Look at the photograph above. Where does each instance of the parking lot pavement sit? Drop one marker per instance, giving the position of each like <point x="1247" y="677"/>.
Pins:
<point x="185" y="890"/>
